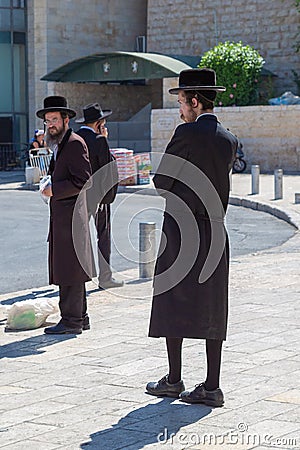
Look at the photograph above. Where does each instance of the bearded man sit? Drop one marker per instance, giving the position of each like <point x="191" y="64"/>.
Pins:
<point x="70" y="263"/>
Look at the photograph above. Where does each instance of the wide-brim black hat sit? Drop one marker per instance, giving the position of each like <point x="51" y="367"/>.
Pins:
<point x="197" y="80"/>
<point x="92" y="113"/>
<point x="55" y="103"/>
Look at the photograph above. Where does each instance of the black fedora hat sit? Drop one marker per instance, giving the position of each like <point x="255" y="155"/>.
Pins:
<point x="55" y="103"/>
<point x="92" y="113"/>
<point x="197" y="80"/>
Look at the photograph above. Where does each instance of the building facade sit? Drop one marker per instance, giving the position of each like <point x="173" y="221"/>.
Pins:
<point x="272" y="28"/>
<point x="13" y="73"/>
<point x="39" y="36"/>
<point x="59" y="32"/>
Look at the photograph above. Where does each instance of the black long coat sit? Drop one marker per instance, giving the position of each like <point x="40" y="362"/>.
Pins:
<point x="181" y="306"/>
<point x="69" y="173"/>
<point x="100" y="157"/>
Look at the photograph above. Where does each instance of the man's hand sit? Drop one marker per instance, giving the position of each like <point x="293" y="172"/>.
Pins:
<point x="47" y="191"/>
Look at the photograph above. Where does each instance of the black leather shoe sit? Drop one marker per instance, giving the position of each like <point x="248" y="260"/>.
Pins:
<point x="201" y="395"/>
<point x="60" y="328"/>
<point x="86" y="323"/>
<point x="163" y="388"/>
<point x="112" y="283"/>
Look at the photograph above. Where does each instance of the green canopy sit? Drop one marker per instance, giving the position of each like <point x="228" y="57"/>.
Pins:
<point x="117" y="67"/>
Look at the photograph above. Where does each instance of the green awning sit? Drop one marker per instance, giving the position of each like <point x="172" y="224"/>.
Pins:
<point x="117" y="67"/>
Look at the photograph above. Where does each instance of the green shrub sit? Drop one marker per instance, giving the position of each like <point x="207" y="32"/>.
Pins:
<point x="238" y="68"/>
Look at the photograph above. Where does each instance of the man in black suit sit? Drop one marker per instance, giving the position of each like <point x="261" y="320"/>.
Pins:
<point x="190" y="296"/>
<point x="70" y="170"/>
<point x="93" y="121"/>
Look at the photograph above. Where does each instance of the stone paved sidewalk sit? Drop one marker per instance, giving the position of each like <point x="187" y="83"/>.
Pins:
<point x="88" y="391"/>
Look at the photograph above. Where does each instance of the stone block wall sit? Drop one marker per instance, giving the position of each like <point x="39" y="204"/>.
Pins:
<point x="124" y="101"/>
<point x="37" y="59"/>
<point x="79" y="28"/>
<point x="270" y="135"/>
<point x="193" y="27"/>
<point x="59" y="32"/>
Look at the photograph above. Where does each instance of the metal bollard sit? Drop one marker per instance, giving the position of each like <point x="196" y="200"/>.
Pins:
<point x="255" y="178"/>
<point x="147" y="249"/>
<point x="278" y="173"/>
<point x="297" y="197"/>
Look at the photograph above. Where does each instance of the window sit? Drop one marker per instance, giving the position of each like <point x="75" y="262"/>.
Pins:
<point x="19" y="19"/>
<point x="13" y="73"/>
<point x="18" y="3"/>
<point x="4" y="3"/>
<point x="5" y="19"/>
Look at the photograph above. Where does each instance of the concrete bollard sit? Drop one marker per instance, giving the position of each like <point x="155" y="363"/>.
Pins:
<point x="147" y="249"/>
<point x="278" y="180"/>
<point x="255" y="178"/>
<point x="297" y="197"/>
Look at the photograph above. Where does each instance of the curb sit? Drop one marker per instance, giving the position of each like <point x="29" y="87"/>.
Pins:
<point x="288" y="216"/>
<point x="291" y="217"/>
<point x="137" y="189"/>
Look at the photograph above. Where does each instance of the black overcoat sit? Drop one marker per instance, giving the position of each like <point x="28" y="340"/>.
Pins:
<point x="69" y="174"/>
<point x="101" y="160"/>
<point x="181" y="306"/>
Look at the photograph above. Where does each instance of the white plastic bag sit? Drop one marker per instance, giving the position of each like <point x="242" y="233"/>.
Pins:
<point x="44" y="183"/>
<point x="30" y="314"/>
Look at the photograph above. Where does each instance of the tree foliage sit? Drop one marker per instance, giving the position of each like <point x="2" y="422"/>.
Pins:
<point x="238" y="68"/>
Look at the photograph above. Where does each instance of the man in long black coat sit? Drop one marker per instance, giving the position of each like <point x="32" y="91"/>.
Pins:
<point x="105" y="181"/>
<point x="190" y="297"/>
<point x="70" y="252"/>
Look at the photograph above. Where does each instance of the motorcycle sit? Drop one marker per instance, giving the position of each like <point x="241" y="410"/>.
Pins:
<point x="239" y="164"/>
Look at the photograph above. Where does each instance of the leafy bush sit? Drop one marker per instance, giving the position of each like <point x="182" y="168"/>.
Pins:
<point x="238" y="68"/>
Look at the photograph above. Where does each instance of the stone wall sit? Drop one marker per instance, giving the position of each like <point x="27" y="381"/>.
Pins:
<point x="269" y="134"/>
<point x="270" y="27"/>
<point x="59" y="32"/>
<point x="78" y="28"/>
<point x="125" y="101"/>
<point x="37" y="59"/>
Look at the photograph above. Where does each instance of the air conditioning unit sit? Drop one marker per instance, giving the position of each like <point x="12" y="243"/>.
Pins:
<point x="140" y="42"/>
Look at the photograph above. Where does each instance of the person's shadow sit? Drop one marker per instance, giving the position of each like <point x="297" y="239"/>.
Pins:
<point x="31" y="346"/>
<point x="47" y="293"/>
<point x="155" y="423"/>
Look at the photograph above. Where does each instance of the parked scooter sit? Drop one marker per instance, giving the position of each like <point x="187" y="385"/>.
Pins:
<point x="239" y="164"/>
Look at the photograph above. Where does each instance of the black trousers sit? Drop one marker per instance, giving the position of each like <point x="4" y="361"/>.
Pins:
<point x="72" y="305"/>
<point x="102" y="222"/>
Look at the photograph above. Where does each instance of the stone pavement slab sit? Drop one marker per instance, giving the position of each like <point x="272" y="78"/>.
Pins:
<point x="87" y="391"/>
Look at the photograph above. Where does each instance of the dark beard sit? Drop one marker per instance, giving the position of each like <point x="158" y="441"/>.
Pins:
<point x="53" y="141"/>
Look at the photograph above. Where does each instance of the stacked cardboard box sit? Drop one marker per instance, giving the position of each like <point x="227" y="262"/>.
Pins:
<point x="143" y="164"/>
<point x="126" y="166"/>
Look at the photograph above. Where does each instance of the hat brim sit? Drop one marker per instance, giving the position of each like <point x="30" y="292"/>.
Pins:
<point x="197" y="88"/>
<point x="106" y="113"/>
<point x="41" y="112"/>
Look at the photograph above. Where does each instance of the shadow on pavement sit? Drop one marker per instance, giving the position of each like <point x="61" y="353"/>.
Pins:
<point x="31" y="346"/>
<point x="151" y="424"/>
<point x="49" y="293"/>
<point x="139" y="281"/>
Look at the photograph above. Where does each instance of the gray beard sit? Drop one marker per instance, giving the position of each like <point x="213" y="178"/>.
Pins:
<point x="53" y="141"/>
